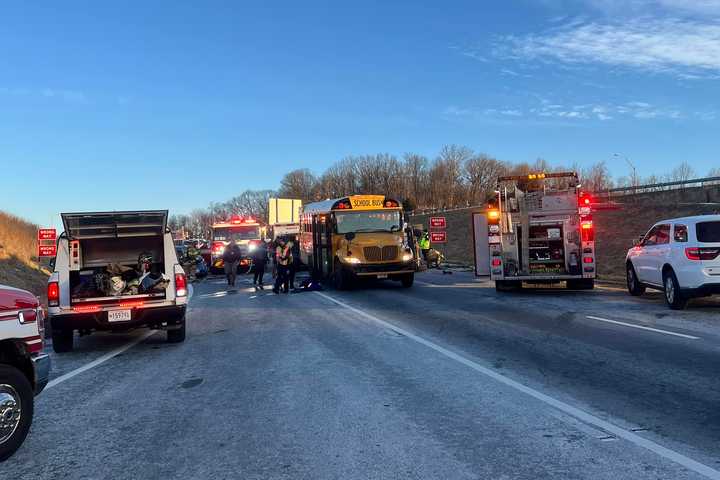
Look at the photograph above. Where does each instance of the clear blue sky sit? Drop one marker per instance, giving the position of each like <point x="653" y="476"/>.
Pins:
<point x="173" y="104"/>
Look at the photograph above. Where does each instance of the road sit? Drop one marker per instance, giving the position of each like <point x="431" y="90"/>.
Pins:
<point x="448" y="379"/>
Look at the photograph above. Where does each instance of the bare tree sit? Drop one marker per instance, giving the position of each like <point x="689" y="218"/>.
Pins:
<point x="300" y="183"/>
<point x="683" y="172"/>
<point x="596" y="177"/>
<point x="415" y="171"/>
<point x="481" y="174"/>
<point x="714" y="172"/>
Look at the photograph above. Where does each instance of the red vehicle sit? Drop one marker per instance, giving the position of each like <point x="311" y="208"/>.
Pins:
<point x="24" y="367"/>
<point x="245" y="231"/>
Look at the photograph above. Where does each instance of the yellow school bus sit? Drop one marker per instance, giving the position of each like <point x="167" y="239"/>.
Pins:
<point x="356" y="236"/>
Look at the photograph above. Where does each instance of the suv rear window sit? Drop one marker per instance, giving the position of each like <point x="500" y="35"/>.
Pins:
<point x="708" y="232"/>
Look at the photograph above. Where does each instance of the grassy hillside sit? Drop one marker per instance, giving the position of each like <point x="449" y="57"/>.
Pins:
<point x="18" y="249"/>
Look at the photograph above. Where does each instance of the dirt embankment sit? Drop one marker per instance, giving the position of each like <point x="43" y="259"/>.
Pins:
<point x="18" y="255"/>
<point x="615" y="230"/>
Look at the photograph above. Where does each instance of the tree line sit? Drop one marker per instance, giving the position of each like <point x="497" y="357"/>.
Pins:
<point x="456" y="177"/>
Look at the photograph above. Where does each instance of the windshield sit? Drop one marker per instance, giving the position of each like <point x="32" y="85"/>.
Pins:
<point x="372" y="221"/>
<point x="244" y="232"/>
<point x="708" y="232"/>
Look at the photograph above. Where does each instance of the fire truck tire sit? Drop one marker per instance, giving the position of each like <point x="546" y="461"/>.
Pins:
<point x="177" y="335"/>
<point x="507" y="285"/>
<point x="16" y="396"/>
<point x="62" y="340"/>
<point x="582" y="284"/>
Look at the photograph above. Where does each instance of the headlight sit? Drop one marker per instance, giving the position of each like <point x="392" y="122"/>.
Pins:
<point x="352" y="260"/>
<point x="251" y="247"/>
<point x="407" y="256"/>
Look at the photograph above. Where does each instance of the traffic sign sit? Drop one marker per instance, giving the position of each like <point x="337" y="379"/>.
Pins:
<point x="47" y="234"/>
<point x="47" y="250"/>
<point x="437" y="222"/>
<point x="438" y="237"/>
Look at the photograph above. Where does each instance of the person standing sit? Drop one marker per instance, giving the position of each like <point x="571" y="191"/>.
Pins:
<point x="259" y="261"/>
<point x="231" y="258"/>
<point x="283" y="256"/>
<point x="424" y="244"/>
<point x="293" y="265"/>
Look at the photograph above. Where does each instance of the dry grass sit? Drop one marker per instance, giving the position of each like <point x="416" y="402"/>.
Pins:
<point x="18" y="249"/>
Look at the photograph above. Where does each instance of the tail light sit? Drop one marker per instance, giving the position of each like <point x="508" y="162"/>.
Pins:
<point x="588" y="260"/>
<point x="588" y="230"/>
<point x="180" y="285"/>
<point x="53" y="294"/>
<point x="218" y="247"/>
<point x="496" y="262"/>
<point x="695" y="253"/>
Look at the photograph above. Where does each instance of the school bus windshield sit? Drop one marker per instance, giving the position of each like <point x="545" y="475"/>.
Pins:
<point x="372" y="221"/>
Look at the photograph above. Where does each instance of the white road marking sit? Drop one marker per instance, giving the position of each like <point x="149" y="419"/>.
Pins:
<point x="581" y="415"/>
<point x="191" y="290"/>
<point x="99" y="360"/>
<point x="641" y="327"/>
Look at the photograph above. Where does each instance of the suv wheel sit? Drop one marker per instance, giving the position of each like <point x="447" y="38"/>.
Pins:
<point x="62" y="341"/>
<point x="635" y="288"/>
<point x="673" y="295"/>
<point x="16" y="410"/>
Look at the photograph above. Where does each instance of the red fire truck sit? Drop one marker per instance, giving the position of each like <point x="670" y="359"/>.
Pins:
<point x="540" y="230"/>
<point x="247" y="232"/>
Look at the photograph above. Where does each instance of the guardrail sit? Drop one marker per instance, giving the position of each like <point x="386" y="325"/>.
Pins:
<point x="660" y="187"/>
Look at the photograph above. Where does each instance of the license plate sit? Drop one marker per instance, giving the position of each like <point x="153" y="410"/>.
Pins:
<point x="118" y="315"/>
<point x="381" y="276"/>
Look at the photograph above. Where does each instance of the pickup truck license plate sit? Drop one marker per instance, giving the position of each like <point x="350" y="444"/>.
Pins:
<point x="382" y="276"/>
<point x="119" y="315"/>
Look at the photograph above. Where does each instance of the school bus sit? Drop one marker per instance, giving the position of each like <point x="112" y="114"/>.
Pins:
<point x="356" y="236"/>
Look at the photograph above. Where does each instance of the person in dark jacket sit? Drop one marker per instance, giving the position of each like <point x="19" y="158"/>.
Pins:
<point x="231" y="258"/>
<point x="259" y="260"/>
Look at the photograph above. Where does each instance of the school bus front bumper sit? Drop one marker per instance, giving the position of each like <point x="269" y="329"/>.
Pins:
<point x="374" y="270"/>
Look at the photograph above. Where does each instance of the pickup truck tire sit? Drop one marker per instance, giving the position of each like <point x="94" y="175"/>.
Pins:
<point x="62" y="340"/>
<point x="177" y="335"/>
<point x="16" y="397"/>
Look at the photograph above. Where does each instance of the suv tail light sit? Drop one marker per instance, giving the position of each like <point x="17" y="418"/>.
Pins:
<point x="180" y="285"/>
<point x="695" y="253"/>
<point x="53" y="294"/>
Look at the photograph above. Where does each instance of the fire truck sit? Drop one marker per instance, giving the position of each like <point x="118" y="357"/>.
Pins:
<point x="540" y="230"/>
<point x="245" y="231"/>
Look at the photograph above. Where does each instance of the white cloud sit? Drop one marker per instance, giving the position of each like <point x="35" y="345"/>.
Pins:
<point x="67" y="95"/>
<point x="684" y="47"/>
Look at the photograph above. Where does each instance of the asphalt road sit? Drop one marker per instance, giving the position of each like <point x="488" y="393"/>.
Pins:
<point x="448" y="379"/>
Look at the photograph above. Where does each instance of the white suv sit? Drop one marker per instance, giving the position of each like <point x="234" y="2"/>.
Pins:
<point x="679" y="256"/>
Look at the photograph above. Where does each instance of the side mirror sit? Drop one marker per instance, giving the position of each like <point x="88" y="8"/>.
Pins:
<point x="639" y="240"/>
<point x="349" y="236"/>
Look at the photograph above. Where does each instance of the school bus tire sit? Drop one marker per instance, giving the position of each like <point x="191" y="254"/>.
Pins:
<point x="407" y="280"/>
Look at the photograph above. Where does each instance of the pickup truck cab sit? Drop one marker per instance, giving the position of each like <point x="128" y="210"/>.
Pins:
<point x="116" y="271"/>
<point x="24" y="368"/>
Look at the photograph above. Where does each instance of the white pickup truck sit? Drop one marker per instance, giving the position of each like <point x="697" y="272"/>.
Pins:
<point x="116" y="271"/>
<point x="24" y="367"/>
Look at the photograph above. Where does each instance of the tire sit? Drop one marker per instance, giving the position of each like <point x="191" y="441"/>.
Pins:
<point x="508" y="285"/>
<point x="63" y="341"/>
<point x="15" y="390"/>
<point x="407" y="280"/>
<point x="340" y="280"/>
<point x="635" y="288"/>
<point x="673" y="296"/>
<point x="581" y="284"/>
<point x="177" y="335"/>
